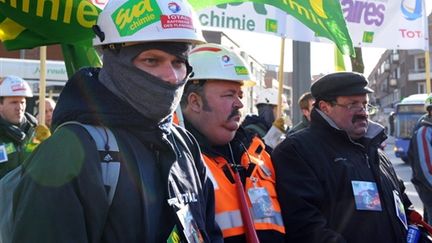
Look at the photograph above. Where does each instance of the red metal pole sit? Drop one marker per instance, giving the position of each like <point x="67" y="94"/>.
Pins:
<point x="416" y="218"/>
<point x="251" y="235"/>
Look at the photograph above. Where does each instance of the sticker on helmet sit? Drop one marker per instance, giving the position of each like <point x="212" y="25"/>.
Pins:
<point x="241" y="70"/>
<point x="226" y="61"/>
<point x="18" y="87"/>
<point x="175" y="21"/>
<point x="135" y="15"/>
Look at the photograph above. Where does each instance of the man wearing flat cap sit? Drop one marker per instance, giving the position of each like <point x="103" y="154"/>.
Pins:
<point x="333" y="181"/>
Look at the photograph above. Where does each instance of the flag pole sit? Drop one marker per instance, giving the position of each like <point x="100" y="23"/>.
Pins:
<point x="42" y="84"/>
<point x="281" y="77"/>
<point x="427" y="64"/>
<point x="427" y="47"/>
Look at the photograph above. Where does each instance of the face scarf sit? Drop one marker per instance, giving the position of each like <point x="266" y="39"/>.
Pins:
<point x="153" y="97"/>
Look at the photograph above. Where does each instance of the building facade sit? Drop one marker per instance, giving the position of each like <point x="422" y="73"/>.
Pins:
<point x="398" y="74"/>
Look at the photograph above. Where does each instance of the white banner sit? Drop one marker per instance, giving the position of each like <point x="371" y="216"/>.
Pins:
<point x="253" y="17"/>
<point x="390" y="24"/>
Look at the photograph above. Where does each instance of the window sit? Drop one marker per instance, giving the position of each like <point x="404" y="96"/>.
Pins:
<point x="396" y="73"/>
<point x="421" y="88"/>
<point x="420" y="63"/>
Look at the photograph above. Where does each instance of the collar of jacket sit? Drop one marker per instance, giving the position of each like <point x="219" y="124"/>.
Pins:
<point x="238" y="145"/>
<point x="25" y="125"/>
<point x="426" y="121"/>
<point x="375" y="133"/>
<point x="305" y="120"/>
<point x="254" y="119"/>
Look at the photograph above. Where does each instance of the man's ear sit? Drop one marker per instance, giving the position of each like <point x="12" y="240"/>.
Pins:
<point x="195" y="102"/>
<point x="324" y="106"/>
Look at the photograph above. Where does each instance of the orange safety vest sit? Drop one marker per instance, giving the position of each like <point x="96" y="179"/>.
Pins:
<point x="176" y="119"/>
<point x="228" y="214"/>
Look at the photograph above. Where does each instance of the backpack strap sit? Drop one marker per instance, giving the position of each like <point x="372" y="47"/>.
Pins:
<point x="108" y="150"/>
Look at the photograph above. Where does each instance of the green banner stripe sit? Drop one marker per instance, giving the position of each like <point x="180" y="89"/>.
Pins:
<point x="58" y="21"/>
<point x="9" y="29"/>
<point x="26" y="40"/>
<point x="28" y="24"/>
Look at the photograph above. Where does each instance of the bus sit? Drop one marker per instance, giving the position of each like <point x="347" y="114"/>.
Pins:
<point x="407" y="113"/>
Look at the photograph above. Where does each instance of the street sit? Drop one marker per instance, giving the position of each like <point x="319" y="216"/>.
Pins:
<point x="404" y="172"/>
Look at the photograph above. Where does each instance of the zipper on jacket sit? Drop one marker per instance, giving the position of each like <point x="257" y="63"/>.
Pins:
<point x="367" y="160"/>
<point x="177" y="150"/>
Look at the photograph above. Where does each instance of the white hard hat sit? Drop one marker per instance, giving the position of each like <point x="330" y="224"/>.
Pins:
<point x="123" y="21"/>
<point x="214" y="61"/>
<point x="267" y="96"/>
<point x="14" y="86"/>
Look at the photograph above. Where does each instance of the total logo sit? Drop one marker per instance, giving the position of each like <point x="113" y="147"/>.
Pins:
<point x="226" y="61"/>
<point x="18" y="87"/>
<point x="174" y="7"/>
<point x="412" y="9"/>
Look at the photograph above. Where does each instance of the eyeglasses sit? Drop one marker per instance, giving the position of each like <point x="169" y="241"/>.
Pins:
<point x="358" y="107"/>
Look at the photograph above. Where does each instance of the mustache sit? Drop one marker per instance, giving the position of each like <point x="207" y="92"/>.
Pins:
<point x="234" y="112"/>
<point x="359" y="118"/>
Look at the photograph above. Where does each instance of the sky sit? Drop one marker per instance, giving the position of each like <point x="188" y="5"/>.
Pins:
<point x="267" y="51"/>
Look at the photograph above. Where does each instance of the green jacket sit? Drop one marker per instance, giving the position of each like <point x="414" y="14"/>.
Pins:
<point x="16" y="143"/>
<point x="299" y="126"/>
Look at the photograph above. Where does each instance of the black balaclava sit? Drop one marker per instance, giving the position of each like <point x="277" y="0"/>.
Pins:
<point x="265" y="111"/>
<point x="151" y="96"/>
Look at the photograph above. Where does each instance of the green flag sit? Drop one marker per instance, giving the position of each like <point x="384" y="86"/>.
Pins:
<point x="61" y="21"/>
<point x="339" y="60"/>
<point x="77" y="56"/>
<point x="324" y="17"/>
<point x="26" y="24"/>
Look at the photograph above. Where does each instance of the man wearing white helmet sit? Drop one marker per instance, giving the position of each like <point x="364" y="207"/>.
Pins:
<point x="211" y="107"/>
<point x="419" y="155"/>
<point x="265" y="124"/>
<point x="16" y="125"/>
<point x="163" y="193"/>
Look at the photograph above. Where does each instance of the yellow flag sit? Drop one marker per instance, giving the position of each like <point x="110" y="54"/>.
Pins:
<point x="339" y="60"/>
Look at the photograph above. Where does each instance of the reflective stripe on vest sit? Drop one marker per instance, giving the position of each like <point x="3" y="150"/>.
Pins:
<point x="232" y="219"/>
<point x="227" y="207"/>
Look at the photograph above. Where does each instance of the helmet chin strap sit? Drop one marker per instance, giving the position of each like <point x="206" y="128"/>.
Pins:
<point x="99" y="33"/>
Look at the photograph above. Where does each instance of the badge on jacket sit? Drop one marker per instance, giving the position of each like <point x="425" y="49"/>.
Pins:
<point x="190" y="227"/>
<point x="400" y="209"/>
<point x="261" y="203"/>
<point x="366" y="196"/>
<point x="3" y="154"/>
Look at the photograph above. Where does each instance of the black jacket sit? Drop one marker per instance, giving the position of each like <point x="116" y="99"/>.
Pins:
<point x="62" y="198"/>
<point x="315" y="168"/>
<point x="299" y="126"/>
<point x="17" y="141"/>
